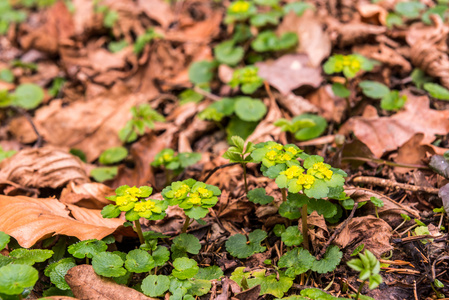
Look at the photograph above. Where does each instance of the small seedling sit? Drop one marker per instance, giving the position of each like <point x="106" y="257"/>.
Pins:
<point x="349" y="65"/>
<point x="303" y="127"/>
<point x="390" y="100"/>
<point x="369" y="267"/>
<point x="10" y="15"/>
<point x="247" y="79"/>
<point x="268" y="41"/>
<point x="143" y="116"/>
<point x="239" y="153"/>
<point x="144" y="39"/>
<point x="26" y="95"/>
<point x="193" y="196"/>
<point x="377" y="203"/>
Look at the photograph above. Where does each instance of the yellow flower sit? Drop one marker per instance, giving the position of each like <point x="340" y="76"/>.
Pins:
<point x="320" y="170"/>
<point x="305" y="180"/>
<point x="284" y="157"/>
<point x="292" y="150"/>
<point x="271" y="155"/>
<point x="204" y="192"/>
<point x="183" y="190"/>
<point x="167" y="157"/>
<point x="292" y="172"/>
<point x="355" y="64"/>
<point x="124" y="200"/>
<point x="147" y="208"/>
<point x="239" y="7"/>
<point x="133" y="192"/>
<point x="194" y="199"/>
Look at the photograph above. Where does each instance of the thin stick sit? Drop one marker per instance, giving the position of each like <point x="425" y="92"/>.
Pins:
<point x="395" y="185"/>
<point x="337" y="232"/>
<point x="27" y="116"/>
<point x="216" y="169"/>
<point x="385" y="162"/>
<point x="206" y="94"/>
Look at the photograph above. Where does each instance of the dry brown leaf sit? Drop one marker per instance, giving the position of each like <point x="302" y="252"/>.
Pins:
<point x="290" y="72"/>
<point x="313" y="40"/>
<point x="86" y="284"/>
<point x="249" y="294"/>
<point x="60" y="298"/>
<point x="384" y="54"/>
<point x="383" y="134"/>
<point x="412" y="152"/>
<point x="265" y="130"/>
<point x="158" y="10"/>
<point x="29" y="220"/>
<point x="296" y="105"/>
<point x="329" y="106"/>
<point x="89" y="195"/>
<point x="43" y="167"/>
<point x="373" y="12"/>
<point x="373" y="232"/>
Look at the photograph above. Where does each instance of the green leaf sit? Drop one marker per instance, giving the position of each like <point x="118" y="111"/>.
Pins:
<point x="317" y="294"/>
<point x="310" y="132"/>
<point x="189" y="158"/>
<point x="249" y="109"/>
<point x="184" y="268"/>
<point x="358" y="249"/>
<point x="87" y="248"/>
<point x="329" y="262"/>
<point x="323" y="207"/>
<point x="374" y="89"/>
<point x="409" y="9"/>
<point x="376" y="201"/>
<point x="186" y="243"/>
<point x="199" y="287"/>
<point x="139" y="261"/>
<point x="155" y="285"/>
<point x="104" y="173"/>
<point x="238" y="247"/>
<point x="108" y="264"/>
<point x="292" y="236"/>
<point x="160" y="256"/>
<point x="15" y="278"/>
<point x="4" y="240"/>
<point x="6" y="154"/>
<point x="437" y="91"/>
<point x="217" y="110"/>
<point x="209" y="273"/>
<point x="241" y="128"/>
<point x="297" y="261"/>
<point x="6" y="75"/>
<point x="279" y="229"/>
<point x="227" y="53"/>
<point x="263" y="19"/>
<point x="393" y="101"/>
<point x="28" y="96"/>
<point x="270" y="284"/>
<point x="201" y="72"/>
<point x="189" y="95"/>
<point x="291" y="208"/>
<point x="318" y="190"/>
<point x="439" y="9"/>
<point x="393" y="19"/>
<point x="113" y="155"/>
<point x="419" y="78"/>
<point x="57" y="270"/>
<point x="117" y="46"/>
<point x="259" y="196"/>
<point x="196" y="212"/>
<point x="340" y="90"/>
<point x="30" y="257"/>
<point x="298" y="7"/>
<point x="110" y="18"/>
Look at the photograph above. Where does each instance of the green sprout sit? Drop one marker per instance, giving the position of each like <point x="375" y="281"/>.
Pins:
<point x="268" y="41"/>
<point x="143" y="116"/>
<point x="132" y="201"/>
<point x="369" y="267"/>
<point x="349" y="65"/>
<point x="193" y="196"/>
<point x="247" y="79"/>
<point x="390" y="100"/>
<point x="174" y="164"/>
<point x="303" y="127"/>
<point x="145" y="39"/>
<point x="240" y="11"/>
<point x="238" y="153"/>
<point x="406" y="218"/>
<point x="377" y="203"/>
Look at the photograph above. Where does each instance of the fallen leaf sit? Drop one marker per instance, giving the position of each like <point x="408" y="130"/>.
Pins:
<point x="345" y="34"/>
<point x="412" y="152"/>
<point x="249" y="294"/>
<point x="89" y="195"/>
<point x="313" y="40"/>
<point x="30" y="220"/>
<point x="329" y="106"/>
<point x="296" y="105"/>
<point x="372" y="12"/>
<point x="373" y="232"/>
<point x="43" y="167"/>
<point x="86" y="284"/>
<point x="382" y="134"/>
<point x="289" y="72"/>
<point x="158" y="10"/>
<point x="265" y="130"/>
<point x="386" y="55"/>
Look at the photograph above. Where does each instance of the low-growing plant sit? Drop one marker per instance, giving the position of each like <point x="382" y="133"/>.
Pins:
<point x="369" y="267"/>
<point x="9" y="16"/>
<point x="390" y="100"/>
<point x="144" y="39"/>
<point x="174" y="164"/>
<point x="26" y="95"/>
<point x="108" y="157"/>
<point x="303" y="127"/>
<point x="247" y="79"/>
<point x="143" y="116"/>
<point x="5" y="154"/>
<point x="377" y="203"/>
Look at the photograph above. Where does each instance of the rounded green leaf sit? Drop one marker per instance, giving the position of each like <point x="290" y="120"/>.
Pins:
<point x="188" y="243"/>
<point x="238" y="246"/>
<point x="310" y="132"/>
<point x="199" y="287"/>
<point x="104" y="173"/>
<point x="87" y="248"/>
<point x="161" y="255"/>
<point x="436" y="91"/>
<point x="110" y="211"/>
<point x="196" y="212"/>
<point x="30" y="257"/>
<point x="209" y="273"/>
<point x="28" y="96"/>
<point x="340" y="90"/>
<point x="155" y="285"/>
<point x="108" y="264"/>
<point x="292" y="236"/>
<point x="57" y="270"/>
<point x="14" y="278"/>
<point x="200" y="72"/>
<point x="229" y="54"/>
<point x="4" y="240"/>
<point x="291" y="208"/>
<point x="184" y="268"/>
<point x="297" y="261"/>
<point x="259" y="196"/>
<point x="113" y="155"/>
<point x="249" y="109"/>
<point x="374" y="89"/>
<point x="7" y="75"/>
<point x="329" y="262"/>
<point x="139" y="261"/>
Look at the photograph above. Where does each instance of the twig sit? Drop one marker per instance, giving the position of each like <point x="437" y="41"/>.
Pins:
<point x="206" y="94"/>
<point x="385" y="162"/>
<point x="24" y="113"/>
<point x="395" y="185"/>
<point x="415" y="292"/>
<point x="336" y="232"/>
<point x="216" y="169"/>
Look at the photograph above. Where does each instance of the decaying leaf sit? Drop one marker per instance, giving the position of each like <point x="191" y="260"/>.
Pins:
<point x="412" y="152"/>
<point x="29" y="220"/>
<point x="89" y="195"/>
<point x="43" y="167"/>
<point x="86" y="284"/>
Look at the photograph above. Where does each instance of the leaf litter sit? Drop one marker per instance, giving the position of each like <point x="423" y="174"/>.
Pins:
<point x="49" y="193"/>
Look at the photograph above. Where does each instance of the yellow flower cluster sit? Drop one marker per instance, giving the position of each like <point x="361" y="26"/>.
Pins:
<point x="293" y="172"/>
<point x="320" y="170"/>
<point x="279" y="155"/>
<point x="239" y="7"/>
<point x="182" y="191"/>
<point x="305" y="180"/>
<point x="146" y="208"/>
<point x="125" y="200"/>
<point x="347" y="61"/>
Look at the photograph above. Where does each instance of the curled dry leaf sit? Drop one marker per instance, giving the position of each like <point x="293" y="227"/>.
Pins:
<point x="319" y="232"/>
<point x="296" y="105"/>
<point x="372" y="12"/>
<point x="353" y="32"/>
<point x="412" y="152"/>
<point x="29" y="220"/>
<point x="384" y="54"/>
<point x="86" y="284"/>
<point x="43" y="167"/>
<point x="383" y="134"/>
<point x="89" y="195"/>
<point x="373" y="232"/>
<point x="290" y="72"/>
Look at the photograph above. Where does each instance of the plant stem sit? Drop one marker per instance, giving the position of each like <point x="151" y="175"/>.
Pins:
<point x="377" y="214"/>
<point x="284" y="195"/>
<point x="87" y="260"/>
<point x="244" y="177"/>
<point x="359" y="290"/>
<point x="186" y="224"/>
<point x="139" y="232"/>
<point x="305" y="228"/>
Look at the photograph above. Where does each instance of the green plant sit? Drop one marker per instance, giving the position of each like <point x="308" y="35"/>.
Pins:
<point x="349" y="65"/>
<point x="406" y="218"/>
<point x="57" y="85"/>
<point x="7" y="75"/>
<point x="303" y="127"/>
<point x="377" y="203"/>
<point x="247" y="79"/>
<point x="26" y="95"/>
<point x="269" y="41"/>
<point x="131" y="200"/>
<point x="108" y="157"/>
<point x="143" y="116"/>
<point x="239" y="153"/>
<point x="369" y="268"/>
<point x="5" y="154"/>
<point x="174" y="164"/>
<point x="241" y="247"/>
<point x="110" y="16"/>
<point x="437" y="91"/>
<point x="144" y="39"/>
<point x="194" y="197"/>
<point x="9" y="15"/>
<point x="390" y="100"/>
